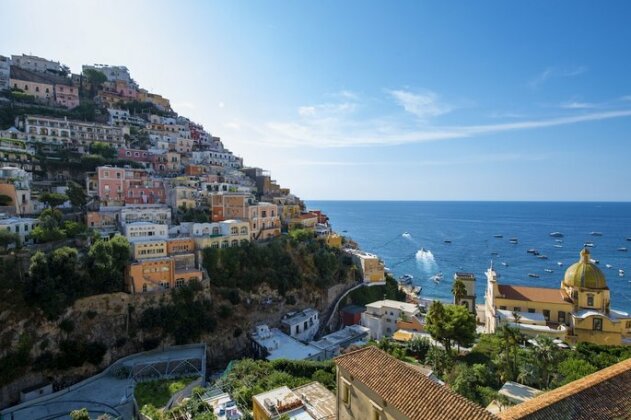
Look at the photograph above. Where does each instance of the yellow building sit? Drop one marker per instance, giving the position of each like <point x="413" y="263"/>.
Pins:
<point x="579" y="311"/>
<point x="370" y="266"/>
<point x="333" y="240"/>
<point x="149" y="249"/>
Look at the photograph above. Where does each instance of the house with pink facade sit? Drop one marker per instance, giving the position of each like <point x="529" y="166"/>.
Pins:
<point x="119" y="186"/>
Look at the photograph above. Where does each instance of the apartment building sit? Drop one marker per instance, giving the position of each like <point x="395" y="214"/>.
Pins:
<point x="224" y="234"/>
<point x="370" y="266"/>
<point x="384" y="317"/>
<point x="264" y="220"/>
<point x="153" y="214"/>
<point x="71" y="134"/>
<point x="146" y="230"/>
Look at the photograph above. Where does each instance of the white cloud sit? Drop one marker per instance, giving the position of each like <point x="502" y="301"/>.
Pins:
<point x="554" y="72"/>
<point x="467" y="160"/>
<point x="221" y="105"/>
<point x="423" y="105"/>
<point x="324" y="110"/>
<point x="341" y="132"/>
<point x="186" y="105"/>
<point x="577" y="105"/>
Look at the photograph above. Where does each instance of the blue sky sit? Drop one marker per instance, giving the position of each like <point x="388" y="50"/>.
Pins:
<point x="377" y="100"/>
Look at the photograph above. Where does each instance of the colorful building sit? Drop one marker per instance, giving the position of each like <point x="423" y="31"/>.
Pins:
<point x="579" y="311"/>
<point x="371" y="268"/>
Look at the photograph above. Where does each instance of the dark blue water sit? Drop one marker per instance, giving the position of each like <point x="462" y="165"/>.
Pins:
<point x="378" y="227"/>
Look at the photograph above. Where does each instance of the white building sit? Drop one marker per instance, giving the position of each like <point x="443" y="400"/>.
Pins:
<point x="121" y="117"/>
<point x="146" y="230"/>
<point x="381" y="317"/>
<point x="301" y="325"/>
<point x="216" y="158"/>
<point x="273" y="344"/>
<point x="5" y="72"/>
<point x="22" y="226"/>
<point x="77" y="135"/>
<point x="332" y="344"/>
<point x="113" y="73"/>
<point x="153" y="214"/>
<point x="34" y="63"/>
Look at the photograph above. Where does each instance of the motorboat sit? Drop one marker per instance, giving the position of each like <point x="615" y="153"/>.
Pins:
<point x="504" y="264"/>
<point x="436" y="278"/>
<point x="588" y="244"/>
<point x="594" y="261"/>
<point x="556" y="234"/>
<point x="542" y="257"/>
<point x="532" y="251"/>
<point x="608" y="265"/>
<point x="513" y="241"/>
<point x="533" y="275"/>
<point x="622" y="249"/>
<point x="596" y="233"/>
<point x="621" y="272"/>
<point x="447" y="241"/>
<point x="548" y="270"/>
<point x="560" y="264"/>
<point x="629" y="239"/>
<point x="558" y="246"/>
<point x="559" y="241"/>
<point x="498" y="236"/>
<point x="494" y="254"/>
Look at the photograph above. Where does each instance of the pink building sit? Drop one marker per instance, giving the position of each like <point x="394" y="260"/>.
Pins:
<point x="137" y="155"/>
<point x="118" y="186"/>
<point x="67" y="95"/>
<point x="111" y="182"/>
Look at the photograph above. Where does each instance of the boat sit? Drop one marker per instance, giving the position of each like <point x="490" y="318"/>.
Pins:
<point x="513" y="240"/>
<point x="622" y="249"/>
<point x="621" y="272"/>
<point x="556" y="234"/>
<point x="494" y="254"/>
<point x="447" y="241"/>
<point x="532" y="251"/>
<point x="559" y="240"/>
<point x="588" y="244"/>
<point x="533" y="275"/>
<point x="596" y="233"/>
<point x="406" y="279"/>
<point x="498" y="236"/>
<point x="542" y="257"/>
<point x="594" y="261"/>
<point x="629" y="239"/>
<point x="548" y="270"/>
<point x="558" y="246"/>
<point x="504" y="264"/>
<point x="559" y="263"/>
<point x="608" y="265"/>
<point x="436" y="278"/>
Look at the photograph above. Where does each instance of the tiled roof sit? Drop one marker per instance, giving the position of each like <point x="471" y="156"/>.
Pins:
<point x="533" y="294"/>
<point x="601" y="395"/>
<point x="407" y="389"/>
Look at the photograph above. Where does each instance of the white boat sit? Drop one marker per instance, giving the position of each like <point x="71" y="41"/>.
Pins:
<point x="558" y="246"/>
<point x="559" y="263"/>
<point x="596" y="233"/>
<point x="608" y="265"/>
<point x="593" y="261"/>
<point x="542" y="257"/>
<point x="447" y="241"/>
<point x="498" y="236"/>
<point x="588" y="244"/>
<point x="621" y="272"/>
<point x="556" y="234"/>
<point x="547" y="270"/>
<point x="436" y="278"/>
<point x="504" y="264"/>
<point x="559" y="240"/>
<point x="622" y="249"/>
<point x="533" y="275"/>
<point x="513" y="240"/>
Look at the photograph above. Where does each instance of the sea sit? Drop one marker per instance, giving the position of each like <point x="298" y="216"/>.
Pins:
<point x="424" y="238"/>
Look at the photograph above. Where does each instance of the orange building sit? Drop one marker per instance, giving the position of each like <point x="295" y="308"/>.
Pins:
<point x="180" y="246"/>
<point x="159" y="274"/>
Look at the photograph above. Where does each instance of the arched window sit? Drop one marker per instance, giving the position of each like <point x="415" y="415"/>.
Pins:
<point x="215" y="230"/>
<point x="235" y="243"/>
<point x="244" y="230"/>
<point x="234" y="230"/>
<point x="224" y="244"/>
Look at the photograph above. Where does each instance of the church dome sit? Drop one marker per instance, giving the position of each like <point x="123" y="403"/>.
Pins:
<point x="585" y="274"/>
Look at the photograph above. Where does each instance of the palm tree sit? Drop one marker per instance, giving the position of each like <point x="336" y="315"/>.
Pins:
<point x="459" y="290"/>
<point x="546" y="355"/>
<point x="510" y="340"/>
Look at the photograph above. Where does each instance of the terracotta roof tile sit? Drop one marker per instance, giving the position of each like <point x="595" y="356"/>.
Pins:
<point x="407" y="389"/>
<point x="533" y="294"/>
<point x="605" y="394"/>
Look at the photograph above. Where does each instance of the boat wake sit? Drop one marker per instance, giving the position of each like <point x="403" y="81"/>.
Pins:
<point x="426" y="261"/>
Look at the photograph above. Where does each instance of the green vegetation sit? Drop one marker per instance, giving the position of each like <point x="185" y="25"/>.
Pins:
<point x="283" y="263"/>
<point x="5" y="200"/>
<point x="53" y="228"/>
<point x="366" y="295"/>
<point x="81" y="414"/>
<point x="185" y="319"/>
<point x="450" y="324"/>
<point x="53" y="199"/>
<point x="103" y="149"/>
<point x="157" y="393"/>
<point x="250" y="377"/>
<point x="194" y="408"/>
<point x="8" y="238"/>
<point x="56" y="279"/>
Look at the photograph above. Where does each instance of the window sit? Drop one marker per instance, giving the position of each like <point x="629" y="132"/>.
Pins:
<point x="598" y="324"/>
<point x="590" y="300"/>
<point x="297" y="329"/>
<point x="502" y="307"/>
<point x="375" y="412"/>
<point x="179" y="282"/>
<point x="144" y="287"/>
<point x="516" y="309"/>
<point x="346" y="393"/>
<point x="561" y="317"/>
<point x="531" y="310"/>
